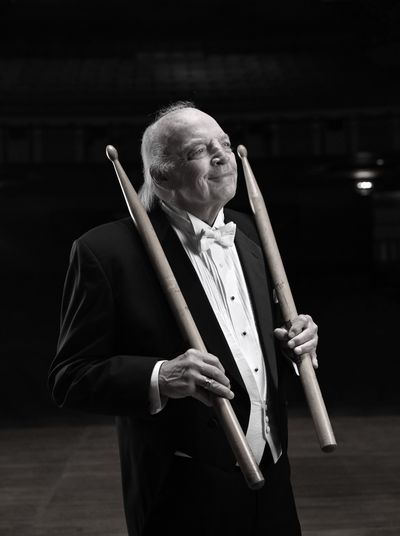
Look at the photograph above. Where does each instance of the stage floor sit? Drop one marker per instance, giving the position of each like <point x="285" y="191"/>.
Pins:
<point x="63" y="480"/>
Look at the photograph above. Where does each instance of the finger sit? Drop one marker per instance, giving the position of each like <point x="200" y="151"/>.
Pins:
<point x="314" y="359"/>
<point x="281" y="334"/>
<point x="214" y="373"/>
<point x="298" y="324"/>
<point x="215" y="388"/>
<point x="305" y="348"/>
<point x="305" y="336"/>
<point x="197" y="357"/>
<point x="213" y="360"/>
<point x="295" y="329"/>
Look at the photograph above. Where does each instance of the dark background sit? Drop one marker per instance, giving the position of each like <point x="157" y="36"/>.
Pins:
<point x="311" y="88"/>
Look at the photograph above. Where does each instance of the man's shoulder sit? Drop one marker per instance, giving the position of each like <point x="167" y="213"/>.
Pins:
<point x="118" y="238"/>
<point x="108" y="237"/>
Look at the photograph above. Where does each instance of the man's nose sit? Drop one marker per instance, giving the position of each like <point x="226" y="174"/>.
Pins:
<point x="219" y="157"/>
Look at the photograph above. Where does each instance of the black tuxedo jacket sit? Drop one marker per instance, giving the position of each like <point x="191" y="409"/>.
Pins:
<point x="116" y="324"/>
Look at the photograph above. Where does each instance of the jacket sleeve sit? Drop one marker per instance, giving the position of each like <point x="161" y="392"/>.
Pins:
<point x="86" y="372"/>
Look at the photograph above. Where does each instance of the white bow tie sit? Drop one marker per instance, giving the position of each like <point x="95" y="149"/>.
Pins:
<point x="224" y="236"/>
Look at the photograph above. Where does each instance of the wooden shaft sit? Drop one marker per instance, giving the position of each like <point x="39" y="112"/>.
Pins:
<point x="308" y="379"/>
<point x="222" y="406"/>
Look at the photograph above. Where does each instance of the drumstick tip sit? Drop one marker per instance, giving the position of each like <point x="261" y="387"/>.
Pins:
<point x="242" y="151"/>
<point x="112" y="153"/>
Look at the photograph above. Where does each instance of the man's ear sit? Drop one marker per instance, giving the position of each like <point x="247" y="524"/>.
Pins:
<point x="158" y="177"/>
<point x="161" y="182"/>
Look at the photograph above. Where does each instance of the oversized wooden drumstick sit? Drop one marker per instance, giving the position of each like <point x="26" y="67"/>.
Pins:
<point x="222" y="406"/>
<point x="309" y="381"/>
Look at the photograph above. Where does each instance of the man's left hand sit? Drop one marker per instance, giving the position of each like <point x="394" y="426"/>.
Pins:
<point x="302" y="338"/>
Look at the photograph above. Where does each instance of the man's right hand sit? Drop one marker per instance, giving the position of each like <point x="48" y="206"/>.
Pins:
<point x="195" y="374"/>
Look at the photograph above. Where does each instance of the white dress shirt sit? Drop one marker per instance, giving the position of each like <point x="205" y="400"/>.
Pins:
<point x="220" y="273"/>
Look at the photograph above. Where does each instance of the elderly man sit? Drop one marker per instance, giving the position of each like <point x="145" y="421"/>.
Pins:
<point x="120" y="351"/>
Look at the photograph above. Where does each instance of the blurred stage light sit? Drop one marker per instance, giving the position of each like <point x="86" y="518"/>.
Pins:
<point x="364" y="174"/>
<point x="364" y="187"/>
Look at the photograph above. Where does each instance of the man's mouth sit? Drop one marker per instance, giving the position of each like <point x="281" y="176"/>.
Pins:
<point x="220" y="176"/>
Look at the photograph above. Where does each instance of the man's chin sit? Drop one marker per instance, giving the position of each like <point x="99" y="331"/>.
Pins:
<point x="227" y="194"/>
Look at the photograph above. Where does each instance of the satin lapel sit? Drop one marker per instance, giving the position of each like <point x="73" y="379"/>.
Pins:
<point x="253" y="265"/>
<point x="195" y="297"/>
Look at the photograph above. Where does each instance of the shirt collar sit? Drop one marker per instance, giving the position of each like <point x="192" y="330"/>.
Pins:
<point x="188" y="224"/>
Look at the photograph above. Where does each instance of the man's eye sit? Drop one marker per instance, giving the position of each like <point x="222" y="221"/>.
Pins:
<point x="227" y="144"/>
<point x="197" y="152"/>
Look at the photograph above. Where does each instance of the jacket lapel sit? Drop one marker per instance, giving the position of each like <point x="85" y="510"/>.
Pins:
<point x="195" y="297"/>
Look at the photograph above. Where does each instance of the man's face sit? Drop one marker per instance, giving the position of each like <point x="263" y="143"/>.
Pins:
<point x="204" y="172"/>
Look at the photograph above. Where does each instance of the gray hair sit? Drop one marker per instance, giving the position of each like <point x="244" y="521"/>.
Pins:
<point x="153" y="153"/>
